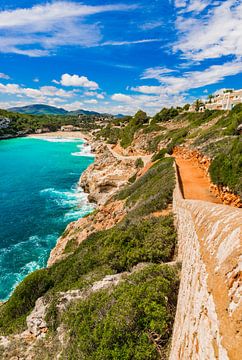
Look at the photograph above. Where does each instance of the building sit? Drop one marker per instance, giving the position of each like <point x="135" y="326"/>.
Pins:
<point x="225" y="101"/>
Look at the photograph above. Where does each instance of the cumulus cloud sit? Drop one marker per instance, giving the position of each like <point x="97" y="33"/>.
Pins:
<point x="76" y="80"/>
<point x="38" y="30"/>
<point x="41" y="93"/>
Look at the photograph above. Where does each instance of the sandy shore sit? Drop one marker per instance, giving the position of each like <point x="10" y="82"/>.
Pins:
<point x="63" y="134"/>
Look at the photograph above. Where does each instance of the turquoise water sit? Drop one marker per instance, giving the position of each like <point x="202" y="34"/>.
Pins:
<point x="38" y="198"/>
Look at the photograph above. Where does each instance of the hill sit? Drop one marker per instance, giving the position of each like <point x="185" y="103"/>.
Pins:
<point x="39" y="109"/>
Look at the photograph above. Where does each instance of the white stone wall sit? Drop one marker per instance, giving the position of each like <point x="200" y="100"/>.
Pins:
<point x="209" y="303"/>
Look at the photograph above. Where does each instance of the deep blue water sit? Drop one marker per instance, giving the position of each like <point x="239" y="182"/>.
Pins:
<point x="38" y="198"/>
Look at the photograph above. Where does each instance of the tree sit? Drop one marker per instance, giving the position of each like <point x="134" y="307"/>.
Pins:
<point x="186" y="107"/>
<point x="198" y="104"/>
<point x="140" y="118"/>
<point x="210" y="97"/>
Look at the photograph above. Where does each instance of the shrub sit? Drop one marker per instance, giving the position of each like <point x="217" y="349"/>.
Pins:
<point x="226" y="168"/>
<point x="139" y="163"/>
<point x="122" y="324"/>
<point x="13" y="313"/>
<point x="159" y="155"/>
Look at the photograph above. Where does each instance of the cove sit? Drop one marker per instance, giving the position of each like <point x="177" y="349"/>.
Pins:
<point x="39" y="196"/>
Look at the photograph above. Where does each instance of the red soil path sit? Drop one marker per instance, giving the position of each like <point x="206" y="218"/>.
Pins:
<point x="195" y="184"/>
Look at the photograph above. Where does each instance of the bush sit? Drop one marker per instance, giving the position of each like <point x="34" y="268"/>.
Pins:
<point x="123" y="324"/>
<point x="151" y="192"/>
<point x="139" y="163"/>
<point x="159" y="155"/>
<point x="13" y="313"/>
<point x="226" y="168"/>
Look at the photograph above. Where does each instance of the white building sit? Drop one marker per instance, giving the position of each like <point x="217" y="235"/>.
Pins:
<point x="225" y="101"/>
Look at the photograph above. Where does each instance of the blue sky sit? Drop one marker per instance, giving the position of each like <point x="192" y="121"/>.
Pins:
<point x="118" y="56"/>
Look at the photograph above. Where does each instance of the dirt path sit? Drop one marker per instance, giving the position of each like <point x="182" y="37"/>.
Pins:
<point x="146" y="158"/>
<point x="195" y="185"/>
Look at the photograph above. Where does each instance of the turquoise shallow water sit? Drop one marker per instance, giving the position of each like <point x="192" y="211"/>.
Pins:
<point x="38" y="198"/>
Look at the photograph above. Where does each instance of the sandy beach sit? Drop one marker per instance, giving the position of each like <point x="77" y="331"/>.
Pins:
<point x="63" y="134"/>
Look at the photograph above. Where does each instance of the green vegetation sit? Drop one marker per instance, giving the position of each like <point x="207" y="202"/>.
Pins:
<point x="151" y="192"/>
<point x="139" y="163"/>
<point x="165" y="115"/>
<point x="226" y="168"/>
<point x="136" y="123"/>
<point x="124" y="324"/>
<point x="21" y="124"/>
<point x="159" y="155"/>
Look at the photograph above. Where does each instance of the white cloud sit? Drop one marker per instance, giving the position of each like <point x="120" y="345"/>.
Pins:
<point x="192" y="5"/>
<point x="180" y="83"/>
<point x="91" y="101"/>
<point x="121" y="43"/>
<point x="216" y="34"/>
<point x="76" y="80"/>
<point x="36" y="80"/>
<point x="41" y="16"/>
<point x="156" y="72"/>
<point x="76" y="105"/>
<point x="95" y="94"/>
<point x="41" y="93"/>
<point x="38" y="30"/>
<point x="4" y="76"/>
<point x="146" y="89"/>
<point x="151" y="25"/>
<point x="121" y="97"/>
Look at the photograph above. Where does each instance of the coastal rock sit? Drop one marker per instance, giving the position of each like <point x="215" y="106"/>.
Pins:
<point x="106" y="175"/>
<point x="104" y="218"/>
<point x="36" y="323"/>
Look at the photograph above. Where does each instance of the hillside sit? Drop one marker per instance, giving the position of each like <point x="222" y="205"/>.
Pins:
<point x="14" y="124"/>
<point x="39" y="109"/>
<point x="110" y="290"/>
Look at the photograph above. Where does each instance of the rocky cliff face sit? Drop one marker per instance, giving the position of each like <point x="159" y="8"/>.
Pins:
<point x="101" y="180"/>
<point x="106" y="176"/>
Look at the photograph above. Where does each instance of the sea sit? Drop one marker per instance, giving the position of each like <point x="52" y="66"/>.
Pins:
<point x="39" y="196"/>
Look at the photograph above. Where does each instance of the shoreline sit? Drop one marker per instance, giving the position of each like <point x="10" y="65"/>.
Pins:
<point x="62" y="134"/>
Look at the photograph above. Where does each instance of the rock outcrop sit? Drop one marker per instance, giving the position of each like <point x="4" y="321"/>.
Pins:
<point x="106" y="175"/>
<point x="101" y="180"/>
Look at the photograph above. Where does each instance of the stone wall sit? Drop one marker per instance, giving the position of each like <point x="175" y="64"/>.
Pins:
<point x="207" y="324"/>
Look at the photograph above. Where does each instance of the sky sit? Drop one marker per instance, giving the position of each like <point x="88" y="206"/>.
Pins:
<point x="118" y="56"/>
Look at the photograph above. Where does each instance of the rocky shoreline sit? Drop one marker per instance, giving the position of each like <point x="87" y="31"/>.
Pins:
<point x="101" y="180"/>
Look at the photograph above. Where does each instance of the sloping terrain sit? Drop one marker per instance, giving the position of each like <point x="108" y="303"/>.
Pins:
<point x="113" y="293"/>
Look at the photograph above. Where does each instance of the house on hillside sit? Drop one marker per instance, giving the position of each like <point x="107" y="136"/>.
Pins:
<point x="225" y="101"/>
<point x="69" y="128"/>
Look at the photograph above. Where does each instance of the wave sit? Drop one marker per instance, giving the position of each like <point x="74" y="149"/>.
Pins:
<point x="58" y="139"/>
<point x="85" y="151"/>
<point x="30" y="255"/>
<point x="75" y="201"/>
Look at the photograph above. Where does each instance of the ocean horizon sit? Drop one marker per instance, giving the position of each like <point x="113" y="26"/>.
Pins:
<point x="39" y="196"/>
